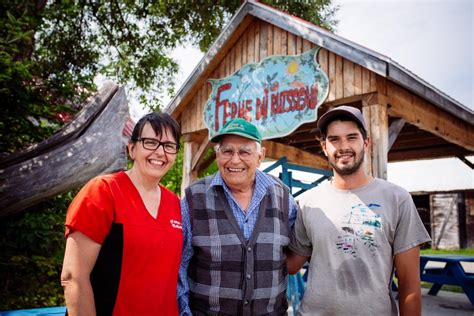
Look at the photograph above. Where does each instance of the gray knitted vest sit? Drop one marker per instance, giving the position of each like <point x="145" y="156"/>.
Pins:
<point x="227" y="274"/>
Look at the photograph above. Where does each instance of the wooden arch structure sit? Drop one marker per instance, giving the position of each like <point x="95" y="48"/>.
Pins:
<point x="408" y="119"/>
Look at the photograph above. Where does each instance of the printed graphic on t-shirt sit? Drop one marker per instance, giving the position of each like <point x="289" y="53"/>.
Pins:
<point x="359" y="226"/>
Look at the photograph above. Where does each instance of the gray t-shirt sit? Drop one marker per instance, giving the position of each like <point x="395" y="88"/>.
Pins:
<point x="352" y="238"/>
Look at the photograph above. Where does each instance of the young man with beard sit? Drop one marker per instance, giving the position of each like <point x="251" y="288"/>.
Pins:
<point x="356" y="229"/>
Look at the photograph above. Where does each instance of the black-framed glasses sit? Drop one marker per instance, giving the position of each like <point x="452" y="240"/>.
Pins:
<point x="229" y="152"/>
<point x="153" y="144"/>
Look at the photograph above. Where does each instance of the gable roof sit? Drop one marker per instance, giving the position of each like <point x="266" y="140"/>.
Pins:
<point x="354" y="52"/>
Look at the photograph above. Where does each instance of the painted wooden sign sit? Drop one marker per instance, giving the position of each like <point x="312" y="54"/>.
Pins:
<point x="277" y="95"/>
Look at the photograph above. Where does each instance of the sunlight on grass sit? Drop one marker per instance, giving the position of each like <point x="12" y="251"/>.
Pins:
<point x="463" y="252"/>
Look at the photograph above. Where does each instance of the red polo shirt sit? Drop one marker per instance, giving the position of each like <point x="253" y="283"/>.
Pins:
<point x="136" y="272"/>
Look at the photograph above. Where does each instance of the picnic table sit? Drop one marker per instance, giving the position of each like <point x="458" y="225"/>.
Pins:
<point x="452" y="273"/>
<point x="47" y="311"/>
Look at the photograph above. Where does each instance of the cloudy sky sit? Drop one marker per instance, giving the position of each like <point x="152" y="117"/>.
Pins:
<point x="432" y="38"/>
<point x="435" y="40"/>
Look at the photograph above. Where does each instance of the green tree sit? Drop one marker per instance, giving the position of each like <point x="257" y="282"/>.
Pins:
<point x="50" y="54"/>
<point x="51" y="51"/>
<point x="31" y="254"/>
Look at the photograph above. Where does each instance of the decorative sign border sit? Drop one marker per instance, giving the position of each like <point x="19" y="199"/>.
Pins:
<point x="278" y="95"/>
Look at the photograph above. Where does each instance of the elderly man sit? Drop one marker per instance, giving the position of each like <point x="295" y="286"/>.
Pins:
<point x="237" y="232"/>
<point x="356" y="229"/>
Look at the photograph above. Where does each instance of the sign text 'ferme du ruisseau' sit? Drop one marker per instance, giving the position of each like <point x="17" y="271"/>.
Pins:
<point x="277" y="95"/>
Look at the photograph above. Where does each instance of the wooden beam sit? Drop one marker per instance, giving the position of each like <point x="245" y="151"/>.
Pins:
<point x="357" y="79"/>
<point x="301" y="138"/>
<point x="204" y="164"/>
<point x="366" y="80"/>
<point x="420" y="142"/>
<point x="314" y="148"/>
<point x="428" y="117"/>
<point x="332" y="76"/>
<point x="200" y="152"/>
<point x="348" y="78"/>
<point x="339" y="80"/>
<point x="276" y="151"/>
<point x="466" y="161"/>
<point x="264" y="29"/>
<point x="342" y="101"/>
<point x="426" y="153"/>
<point x="376" y="119"/>
<point x="394" y="129"/>
<point x="188" y="175"/>
<point x="323" y="60"/>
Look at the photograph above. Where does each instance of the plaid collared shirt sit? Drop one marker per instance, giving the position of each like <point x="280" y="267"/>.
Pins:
<point x="246" y="221"/>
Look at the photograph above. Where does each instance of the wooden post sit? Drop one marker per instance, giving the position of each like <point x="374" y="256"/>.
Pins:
<point x="393" y="131"/>
<point x="276" y="150"/>
<point x="376" y="118"/>
<point x="199" y="155"/>
<point x="187" y="164"/>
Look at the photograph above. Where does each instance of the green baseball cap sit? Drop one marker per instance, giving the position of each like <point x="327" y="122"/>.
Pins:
<point x="239" y="127"/>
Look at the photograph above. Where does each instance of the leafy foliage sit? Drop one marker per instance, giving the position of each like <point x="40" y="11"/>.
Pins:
<point x="318" y="12"/>
<point x="172" y="179"/>
<point x="31" y="254"/>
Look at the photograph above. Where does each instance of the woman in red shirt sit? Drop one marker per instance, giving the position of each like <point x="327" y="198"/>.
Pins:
<point x="124" y="234"/>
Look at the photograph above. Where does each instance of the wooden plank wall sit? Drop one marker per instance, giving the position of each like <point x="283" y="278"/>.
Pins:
<point x="445" y="221"/>
<point x="469" y="200"/>
<point x="436" y="206"/>
<point x="261" y="40"/>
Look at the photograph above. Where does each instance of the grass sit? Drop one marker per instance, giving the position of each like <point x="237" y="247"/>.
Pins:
<point x="463" y="252"/>
<point x="445" y="287"/>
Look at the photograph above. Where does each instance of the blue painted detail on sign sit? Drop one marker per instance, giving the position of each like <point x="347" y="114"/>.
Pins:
<point x="277" y="95"/>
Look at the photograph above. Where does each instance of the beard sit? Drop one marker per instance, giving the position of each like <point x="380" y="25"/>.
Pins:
<point x="348" y="168"/>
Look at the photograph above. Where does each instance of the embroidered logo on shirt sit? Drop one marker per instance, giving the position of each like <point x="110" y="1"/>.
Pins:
<point x="176" y="224"/>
